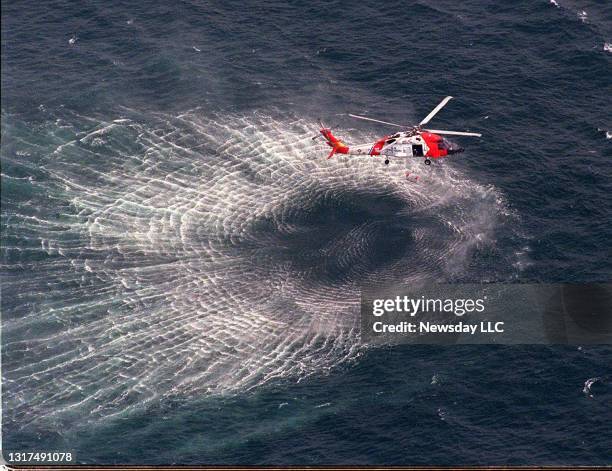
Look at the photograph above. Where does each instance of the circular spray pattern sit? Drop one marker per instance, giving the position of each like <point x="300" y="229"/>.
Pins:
<point x="180" y="256"/>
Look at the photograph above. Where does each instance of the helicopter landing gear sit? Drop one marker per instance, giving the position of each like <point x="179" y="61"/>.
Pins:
<point x="427" y="162"/>
<point x="386" y="161"/>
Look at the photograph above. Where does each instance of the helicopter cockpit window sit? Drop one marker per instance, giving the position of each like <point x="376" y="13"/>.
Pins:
<point x="390" y="141"/>
<point x="443" y="144"/>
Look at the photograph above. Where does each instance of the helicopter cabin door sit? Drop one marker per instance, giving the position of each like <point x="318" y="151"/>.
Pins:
<point x="417" y="150"/>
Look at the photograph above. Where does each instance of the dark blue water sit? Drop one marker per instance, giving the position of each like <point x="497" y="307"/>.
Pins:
<point x="181" y="265"/>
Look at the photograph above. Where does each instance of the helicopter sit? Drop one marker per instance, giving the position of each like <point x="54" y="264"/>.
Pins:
<point x="412" y="141"/>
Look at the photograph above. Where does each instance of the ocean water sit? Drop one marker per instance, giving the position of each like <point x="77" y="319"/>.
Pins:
<point x="181" y="265"/>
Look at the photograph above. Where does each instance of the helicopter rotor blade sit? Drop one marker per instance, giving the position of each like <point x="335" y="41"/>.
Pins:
<point x="453" y="133"/>
<point x="433" y="112"/>
<point x="377" y="121"/>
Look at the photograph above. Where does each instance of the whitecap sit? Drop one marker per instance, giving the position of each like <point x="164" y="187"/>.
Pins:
<point x="588" y="384"/>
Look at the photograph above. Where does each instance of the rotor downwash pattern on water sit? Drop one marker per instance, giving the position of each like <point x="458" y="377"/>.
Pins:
<point x="180" y="256"/>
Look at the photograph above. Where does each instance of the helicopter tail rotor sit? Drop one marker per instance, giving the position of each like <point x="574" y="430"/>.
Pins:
<point x="337" y="146"/>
